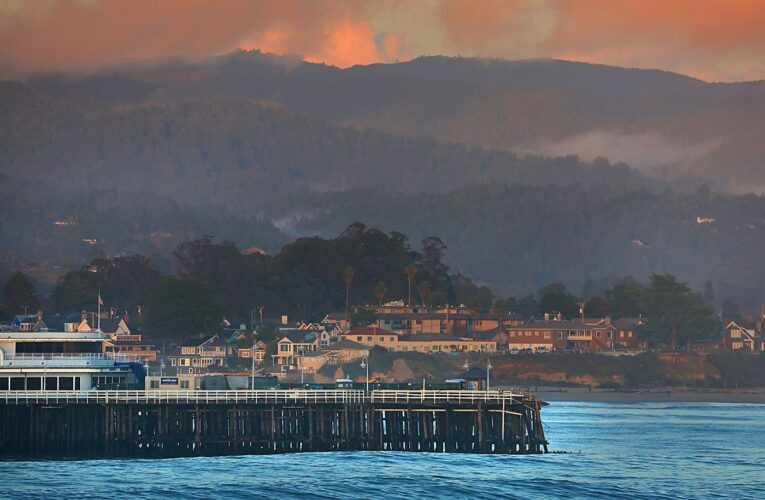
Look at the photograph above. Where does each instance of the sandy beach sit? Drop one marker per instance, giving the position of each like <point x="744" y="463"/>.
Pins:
<point x="670" y="394"/>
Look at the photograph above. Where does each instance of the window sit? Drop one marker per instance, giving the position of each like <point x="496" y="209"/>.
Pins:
<point x="358" y="339"/>
<point x="3" y="383"/>
<point x="154" y="384"/>
<point x="393" y="339"/>
<point x="66" y="383"/>
<point x="184" y="384"/>
<point x="512" y="334"/>
<point x="34" y="384"/>
<point x="610" y="335"/>
<point x="17" y="383"/>
<point x="284" y="348"/>
<point x="369" y="339"/>
<point x="547" y="335"/>
<point x="597" y="335"/>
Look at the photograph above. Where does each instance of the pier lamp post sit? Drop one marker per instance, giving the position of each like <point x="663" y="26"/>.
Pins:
<point x="365" y="364"/>
<point x="488" y="369"/>
<point x="252" y="355"/>
<point x="466" y="366"/>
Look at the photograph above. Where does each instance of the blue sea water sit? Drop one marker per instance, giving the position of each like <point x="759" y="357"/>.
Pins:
<point x="637" y="450"/>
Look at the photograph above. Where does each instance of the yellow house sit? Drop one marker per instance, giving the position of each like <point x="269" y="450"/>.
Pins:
<point x="433" y="343"/>
<point x="373" y="336"/>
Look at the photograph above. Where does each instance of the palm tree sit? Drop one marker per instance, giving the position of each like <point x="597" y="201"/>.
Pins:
<point x="348" y="277"/>
<point x="380" y="291"/>
<point x="411" y="272"/>
<point x="425" y="292"/>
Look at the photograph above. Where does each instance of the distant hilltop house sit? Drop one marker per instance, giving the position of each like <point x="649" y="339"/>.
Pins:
<point x="705" y="219"/>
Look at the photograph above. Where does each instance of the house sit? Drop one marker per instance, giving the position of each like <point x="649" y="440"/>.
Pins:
<point x="737" y="337"/>
<point x="344" y="351"/>
<point x="294" y="344"/>
<point x="589" y="334"/>
<point x="199" y="354"/>
<point x="126" y="342"/>
<point x="436" y="342"/>
<point x="28" y="323"/>
<point x="211" y="345"/>
<point x="536" y="335"/>
<point x="117" y="329"/>
<point x="625" y="334"/>
<point x="373" y="336"/>
<point x="312" y="362"/>
<point x="145" y="353"/>
<point x="216" y="347"/>
<point x="485" y="322"/>
<point x="348" y="351"/>
<point x="248" y="350"/>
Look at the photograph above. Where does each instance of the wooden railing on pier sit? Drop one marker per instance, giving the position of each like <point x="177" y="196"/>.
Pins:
<point x="183" y="423"/>
<point x="258" y="396"/>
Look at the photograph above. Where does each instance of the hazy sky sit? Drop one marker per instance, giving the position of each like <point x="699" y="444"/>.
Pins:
<point x="709" y="39"/>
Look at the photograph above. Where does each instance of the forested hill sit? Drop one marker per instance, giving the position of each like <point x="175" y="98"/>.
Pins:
<point x="50" y="230"/>
<point x="518" y="238"/>
<point x="243" y="156"/>
<point x="668" y="124"/>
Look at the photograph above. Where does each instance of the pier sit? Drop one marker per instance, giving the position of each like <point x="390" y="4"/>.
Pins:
<point x="85" y="424"/>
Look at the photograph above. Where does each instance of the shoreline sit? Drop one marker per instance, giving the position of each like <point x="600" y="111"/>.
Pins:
<point x="653" y="395"/>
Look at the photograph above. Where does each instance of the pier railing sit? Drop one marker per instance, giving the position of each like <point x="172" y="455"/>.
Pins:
<point x="258" y="396"/>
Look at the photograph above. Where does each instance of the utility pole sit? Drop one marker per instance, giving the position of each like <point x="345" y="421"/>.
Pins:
<point x="410" y="271"/>
<point x="348" y="277"/>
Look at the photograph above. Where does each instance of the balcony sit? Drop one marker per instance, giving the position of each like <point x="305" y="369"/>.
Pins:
<point x="61" y="360"/>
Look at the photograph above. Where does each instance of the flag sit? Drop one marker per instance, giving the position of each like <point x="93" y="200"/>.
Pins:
<point x="100" y="300"/>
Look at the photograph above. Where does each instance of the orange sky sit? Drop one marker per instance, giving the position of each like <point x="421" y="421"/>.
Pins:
<point x="709" y="39"/>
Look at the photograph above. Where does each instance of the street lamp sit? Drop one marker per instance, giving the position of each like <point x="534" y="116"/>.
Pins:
<point x="488" y="368"/>
<point x="365" y="364"/>
<point x="466" y="366"/>
<point x="252" y="355"/>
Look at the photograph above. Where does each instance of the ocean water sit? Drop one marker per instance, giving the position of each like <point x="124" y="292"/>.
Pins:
<point x="638" y="450"/>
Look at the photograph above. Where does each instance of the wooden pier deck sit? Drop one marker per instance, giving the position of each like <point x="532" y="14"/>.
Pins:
<point x="189" y="423"/>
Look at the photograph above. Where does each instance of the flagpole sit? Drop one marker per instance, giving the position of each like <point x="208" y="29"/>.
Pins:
<point x="99" y="310"/>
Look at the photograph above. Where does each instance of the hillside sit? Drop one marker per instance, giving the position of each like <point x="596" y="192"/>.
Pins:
<point x="519" y="238"/>
<point x="244" y="156"/>
<point x="668" y="124"/>
<point x="260" y="149"/>
<point x="51" y="230"/>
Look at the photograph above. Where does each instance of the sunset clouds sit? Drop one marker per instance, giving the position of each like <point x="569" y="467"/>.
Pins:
<point x="710" y="39"/>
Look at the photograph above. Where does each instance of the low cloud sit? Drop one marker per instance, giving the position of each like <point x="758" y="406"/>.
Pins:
<point x="645" y="151"/>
